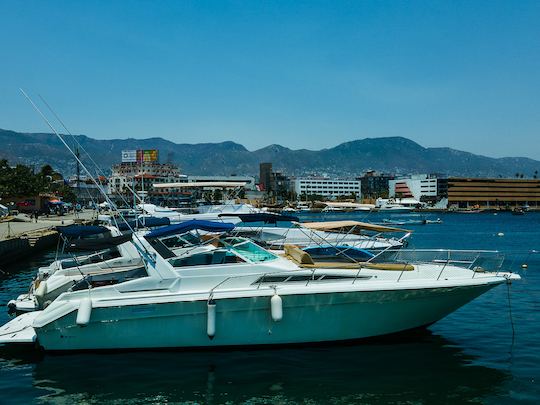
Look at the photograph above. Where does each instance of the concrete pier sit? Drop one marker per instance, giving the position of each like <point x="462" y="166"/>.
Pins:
<point x="21" y="237"/>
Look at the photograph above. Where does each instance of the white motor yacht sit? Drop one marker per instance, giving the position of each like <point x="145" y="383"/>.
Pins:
<point x="60" y="275"/>
<point x="236" y="293"/>
<point x="361" y="235"/>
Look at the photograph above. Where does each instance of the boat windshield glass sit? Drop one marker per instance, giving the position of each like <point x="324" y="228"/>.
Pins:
<point x="99" y="257"/>
<point x="187" y="239"/>
<point x="249" y="250"/>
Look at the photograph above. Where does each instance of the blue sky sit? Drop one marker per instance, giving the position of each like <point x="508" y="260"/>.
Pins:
<point x="301" y="74"/>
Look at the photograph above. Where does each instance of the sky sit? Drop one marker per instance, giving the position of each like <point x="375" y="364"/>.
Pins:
<point x="303" y="74"/>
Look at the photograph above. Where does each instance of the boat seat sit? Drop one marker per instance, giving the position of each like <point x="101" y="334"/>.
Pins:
<point x="298" y="255"/>
<point x="304" y="259"/>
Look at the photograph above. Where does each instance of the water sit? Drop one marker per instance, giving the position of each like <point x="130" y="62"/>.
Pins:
<point x="470" y="356"/>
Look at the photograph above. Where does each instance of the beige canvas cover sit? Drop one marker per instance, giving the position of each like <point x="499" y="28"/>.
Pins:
<point x="350" y="226"/>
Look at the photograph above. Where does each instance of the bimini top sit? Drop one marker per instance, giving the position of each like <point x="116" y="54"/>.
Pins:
<point x="350" y="226"/>
<point x="76" y="231"/>
<point x="266" y="217"/>
<point x="187" y="226"/>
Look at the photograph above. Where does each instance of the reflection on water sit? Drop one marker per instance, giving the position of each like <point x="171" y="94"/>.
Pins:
<point x="420" y="367"/>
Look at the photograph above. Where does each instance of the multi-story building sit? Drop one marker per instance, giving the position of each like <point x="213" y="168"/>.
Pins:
<point x="326" y="187"/>
<point x="419" y="186"/>
<point x="374" y="184"/>
<point x="265" y="176"/>
<point x="142" y="176"/>
<point x="493" y="193"/>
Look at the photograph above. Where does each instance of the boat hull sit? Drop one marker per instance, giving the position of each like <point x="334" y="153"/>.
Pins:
<point x="309" y="318"/>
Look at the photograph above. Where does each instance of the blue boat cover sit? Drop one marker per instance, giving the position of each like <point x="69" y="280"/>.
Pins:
<point x="266" y="217"/>
<point x="76" y="231"/>
<point x="189" y="226"/>
<point x="146" y="222"/>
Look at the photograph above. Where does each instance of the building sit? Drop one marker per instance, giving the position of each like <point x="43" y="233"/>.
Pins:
<point x="493" y="193"/>
<point x="249" y="180"/>
<point x="374" y="184"/>
<point x="326" y="187"/>
<point x="422" y="187"/>
<point x="265" y="176"/>
<point x="141" y="176"/>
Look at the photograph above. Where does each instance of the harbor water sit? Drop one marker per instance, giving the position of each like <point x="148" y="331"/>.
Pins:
<point x="486" y="352"/>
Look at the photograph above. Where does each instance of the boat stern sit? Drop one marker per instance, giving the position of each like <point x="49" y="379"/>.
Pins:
<point x="19" y="331"/>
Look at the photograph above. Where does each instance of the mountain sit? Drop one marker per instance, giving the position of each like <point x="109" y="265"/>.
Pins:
<point x="392" y="154"/>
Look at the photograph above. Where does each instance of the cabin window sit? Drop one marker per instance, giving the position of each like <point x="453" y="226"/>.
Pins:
<point x="307" y="277"/>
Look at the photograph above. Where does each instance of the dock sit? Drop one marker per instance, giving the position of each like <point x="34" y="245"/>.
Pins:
<point x="22" y="237"/>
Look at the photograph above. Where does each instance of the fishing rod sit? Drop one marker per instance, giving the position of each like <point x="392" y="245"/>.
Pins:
<point x="145" y="254"/>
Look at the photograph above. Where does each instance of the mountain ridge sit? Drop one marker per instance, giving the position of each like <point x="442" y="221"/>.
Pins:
<point x="391" y="154"/>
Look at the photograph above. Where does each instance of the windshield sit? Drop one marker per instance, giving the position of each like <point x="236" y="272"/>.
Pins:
<point x="249" y="250"/>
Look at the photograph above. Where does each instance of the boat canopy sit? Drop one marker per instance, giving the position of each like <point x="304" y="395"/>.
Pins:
<point x="350" y="226"/>
<point x="266" y="217"/>
<point x="76" y="231"/>
<point x="144" y="222"/>
<point x="187" y="226"/>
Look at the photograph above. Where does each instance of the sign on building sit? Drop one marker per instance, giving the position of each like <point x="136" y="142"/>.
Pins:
<point x="129" y="156"/>
<point x="147" y="155"/>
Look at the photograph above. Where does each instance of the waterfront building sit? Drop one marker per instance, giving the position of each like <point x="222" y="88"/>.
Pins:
<point x="142" y="175"/>
<point x="265" y="176"/>
<point x="374" y="184"/>
<point x="493" y="193"/>
<point x="419" y="186"/>
<point x="326" y="187"/>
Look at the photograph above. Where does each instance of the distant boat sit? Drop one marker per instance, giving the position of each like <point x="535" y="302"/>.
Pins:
<point x="413" y="222"/>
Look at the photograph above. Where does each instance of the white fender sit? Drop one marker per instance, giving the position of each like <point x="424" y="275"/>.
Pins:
<point x="276" y="308"/>
<point x="211" y="319"/>
<point x="41" y="290"/>
<point x="84" y="312"/>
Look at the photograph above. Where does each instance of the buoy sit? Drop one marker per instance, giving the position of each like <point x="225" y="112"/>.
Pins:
<point x="41" y="290"/>
<point x="84" y="312"/>
<point x="524" y="266"/>
<point x="211" y="319"/>
<point x="500" y="234"/>
<point x="276" y="307"/>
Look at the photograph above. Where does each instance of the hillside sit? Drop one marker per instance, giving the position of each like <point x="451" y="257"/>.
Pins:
<point x="392" y="154"/>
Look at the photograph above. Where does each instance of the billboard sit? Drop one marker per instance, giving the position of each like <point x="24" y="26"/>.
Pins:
<point x="147" y="155"/>
<point x="129" y="156"/>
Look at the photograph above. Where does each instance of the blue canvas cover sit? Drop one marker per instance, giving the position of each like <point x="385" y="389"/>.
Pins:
<point x="78" y="231"/>
<point x="187" y="226"/>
